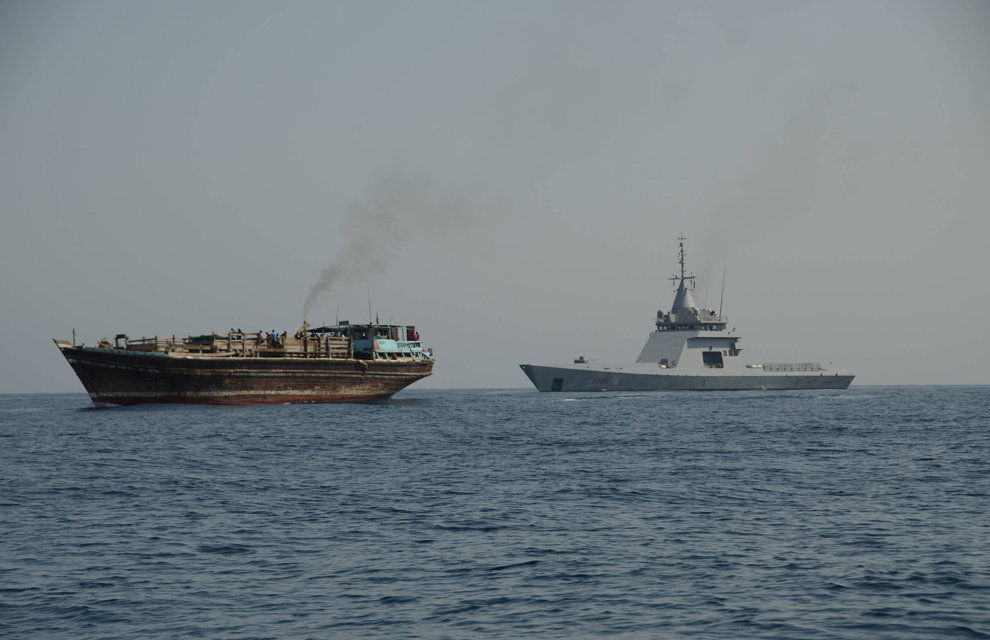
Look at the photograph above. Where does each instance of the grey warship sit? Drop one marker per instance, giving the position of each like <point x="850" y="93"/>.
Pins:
<point x="690" y="350"/>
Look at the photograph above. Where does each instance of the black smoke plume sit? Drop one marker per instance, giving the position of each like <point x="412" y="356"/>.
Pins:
<point x="395" y="212"/>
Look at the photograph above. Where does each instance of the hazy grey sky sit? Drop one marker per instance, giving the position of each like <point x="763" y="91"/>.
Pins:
<point x="187" y="166"/>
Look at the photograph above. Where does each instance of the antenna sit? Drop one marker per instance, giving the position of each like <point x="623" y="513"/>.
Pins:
<point x="368" y="285"/>
<point x="708" y="283"/>
<point x="681" y="260"/>
<point x="722" y="297"/>
<point x="337" y="321"/>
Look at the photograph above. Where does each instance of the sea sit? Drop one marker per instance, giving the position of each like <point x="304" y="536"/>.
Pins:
<point x="862" y="513"/>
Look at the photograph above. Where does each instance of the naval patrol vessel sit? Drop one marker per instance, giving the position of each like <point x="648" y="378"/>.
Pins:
<point x="690" y="350"/>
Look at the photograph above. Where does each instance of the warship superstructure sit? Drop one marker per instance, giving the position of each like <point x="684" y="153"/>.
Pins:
<point x="337" y="363"/>
<point x="691" y="349"/>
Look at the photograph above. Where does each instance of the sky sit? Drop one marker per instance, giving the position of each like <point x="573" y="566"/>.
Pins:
<point x="510" y="177"/>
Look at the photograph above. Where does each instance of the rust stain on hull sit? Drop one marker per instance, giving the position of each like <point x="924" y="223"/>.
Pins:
<point x="126" y="378"/>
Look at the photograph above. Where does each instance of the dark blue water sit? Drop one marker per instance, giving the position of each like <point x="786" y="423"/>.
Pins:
<point x="854" y="514"/>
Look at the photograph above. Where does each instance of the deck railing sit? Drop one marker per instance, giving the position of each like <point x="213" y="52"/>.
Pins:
<point x="249" y="344"/>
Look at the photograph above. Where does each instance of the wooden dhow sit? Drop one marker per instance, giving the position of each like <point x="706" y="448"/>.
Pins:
<point x="338" y="363"/>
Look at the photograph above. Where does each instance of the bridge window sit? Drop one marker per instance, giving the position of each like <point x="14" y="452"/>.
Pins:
<point x="712" y="359"/>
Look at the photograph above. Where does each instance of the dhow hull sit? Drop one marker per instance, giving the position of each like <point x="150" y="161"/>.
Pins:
<point x="126" y="378"/>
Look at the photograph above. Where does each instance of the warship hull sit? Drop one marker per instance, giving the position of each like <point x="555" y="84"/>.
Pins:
<point x="127" y="377"/>
<point x="561" y="378"/>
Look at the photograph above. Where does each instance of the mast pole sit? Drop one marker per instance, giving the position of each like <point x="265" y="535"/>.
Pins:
<point x="368" y="285"/>
<point x="681" y="260"/>
<point x="722" y="297"/>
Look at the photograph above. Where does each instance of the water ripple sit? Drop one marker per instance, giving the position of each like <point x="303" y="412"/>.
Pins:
<point x="854" y="514"/>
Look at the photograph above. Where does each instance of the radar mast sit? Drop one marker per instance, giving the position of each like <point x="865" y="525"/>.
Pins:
<point x="681" y="260"/>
